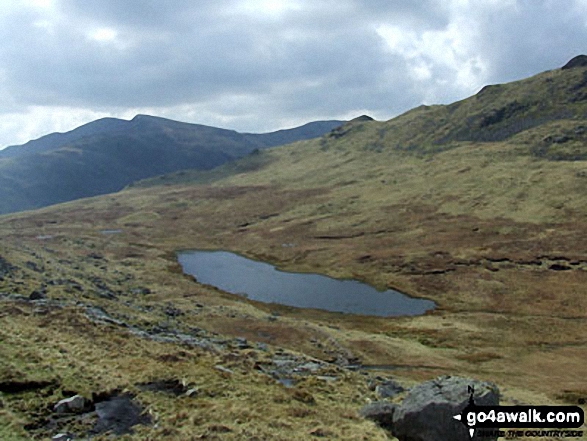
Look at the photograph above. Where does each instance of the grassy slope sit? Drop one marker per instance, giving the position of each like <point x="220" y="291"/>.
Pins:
<point x="481" y="228"/>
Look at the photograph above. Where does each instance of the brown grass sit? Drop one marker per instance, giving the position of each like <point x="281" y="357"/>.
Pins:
<point x="482" y="229"/>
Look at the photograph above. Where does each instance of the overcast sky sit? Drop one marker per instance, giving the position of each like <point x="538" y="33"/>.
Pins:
<point x="263" y="65"/>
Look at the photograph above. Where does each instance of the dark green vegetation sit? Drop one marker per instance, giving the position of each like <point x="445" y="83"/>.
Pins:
<point x="106" y="155"/>
<point x="479" y="206"/>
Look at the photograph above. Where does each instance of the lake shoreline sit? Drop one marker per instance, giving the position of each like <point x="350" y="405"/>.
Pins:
<point x="264" y="282"/>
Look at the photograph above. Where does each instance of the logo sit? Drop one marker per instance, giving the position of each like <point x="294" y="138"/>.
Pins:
<point x="475" y="417"/>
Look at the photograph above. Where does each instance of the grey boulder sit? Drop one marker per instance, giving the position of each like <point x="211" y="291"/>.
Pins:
<point x="388" y="389"/>
<point x="75" y="404"/>
<point x="427" y="412"/>
<point x="380" y="412"/>
<point x="62" y="437"/>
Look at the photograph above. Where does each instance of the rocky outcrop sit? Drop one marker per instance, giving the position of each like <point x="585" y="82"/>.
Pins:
<point x="381" y="412"/>
<point x="118" y="414"/>
<point x="111" y="412"/>
<point x="426" y="414"/>
<point x="346" y="128"/>
<point x="75" y="404"/>
<point x="578" y="61"/>
<point x="388" y="389"/>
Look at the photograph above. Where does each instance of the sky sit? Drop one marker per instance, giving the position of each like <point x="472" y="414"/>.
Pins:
<point x="264" y="65"/>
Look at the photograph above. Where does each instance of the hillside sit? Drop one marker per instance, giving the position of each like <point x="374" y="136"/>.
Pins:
<point x="106" y="155"/>
<point x="479" y="205"/>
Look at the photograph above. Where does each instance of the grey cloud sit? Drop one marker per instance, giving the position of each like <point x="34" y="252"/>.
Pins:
<point x="196" y="64"/>
<point x="535" y="36"/>
<point x="424" y="13"/>
<point x="320" y="59"/>
<point x="142" y="14"/>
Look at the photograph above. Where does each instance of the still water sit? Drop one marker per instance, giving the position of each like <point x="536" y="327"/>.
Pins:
<point x="263" y="282"/>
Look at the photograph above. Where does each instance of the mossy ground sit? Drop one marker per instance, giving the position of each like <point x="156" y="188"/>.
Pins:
<point x="449" y="228"/>
<point x="493" y="232"/>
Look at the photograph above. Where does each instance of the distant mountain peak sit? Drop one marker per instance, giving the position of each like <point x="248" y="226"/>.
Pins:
<point x="142" y="116"/>
<point x="578" y="61"/>
<point x="108" y="154"/>
<point x="362" y="118"/>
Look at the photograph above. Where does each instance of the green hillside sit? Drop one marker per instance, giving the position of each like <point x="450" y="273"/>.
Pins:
<point x="479" y="205"/>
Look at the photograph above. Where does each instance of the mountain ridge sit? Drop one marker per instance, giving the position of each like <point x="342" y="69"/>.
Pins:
<point x="112" y="125"/>
<point x="108" y="154"/>
<point x="492" y="231"/>
<point x="543" y="116"/>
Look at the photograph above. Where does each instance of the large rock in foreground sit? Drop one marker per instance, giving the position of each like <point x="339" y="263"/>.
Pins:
<point x="426" y="414"/>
